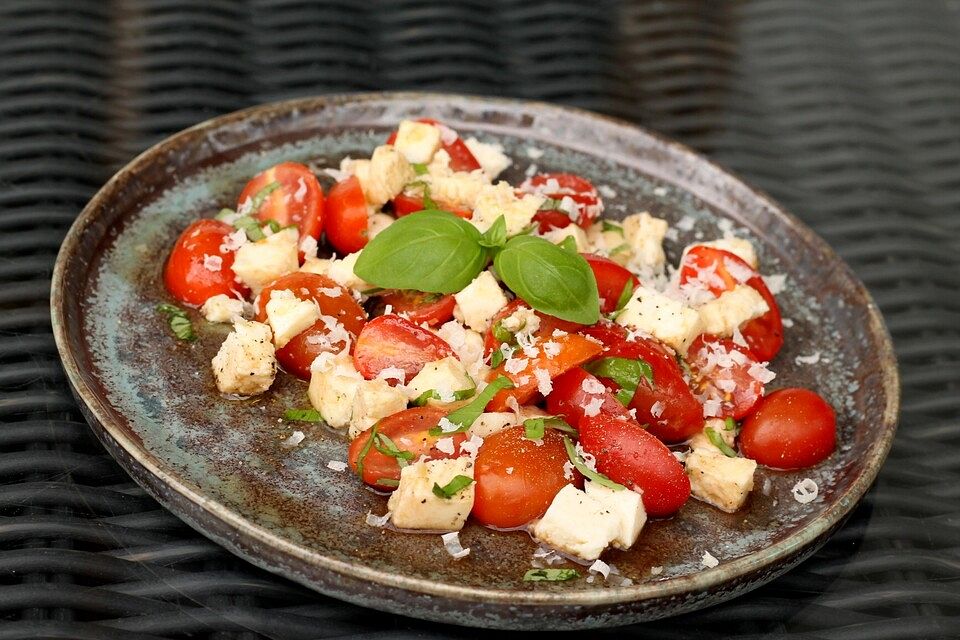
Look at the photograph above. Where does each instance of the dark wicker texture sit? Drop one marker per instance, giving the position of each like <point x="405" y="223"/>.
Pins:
<point x="845" y="111"/>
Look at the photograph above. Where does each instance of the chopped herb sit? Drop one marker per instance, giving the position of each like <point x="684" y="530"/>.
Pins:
<point x="302" y="415"/>
<point x="466" y="415"/>
<point x="225" y="214"/>
<point x="626" y="372"/>
<point x="419" y="168"/>
<point x="550" y="575"/>
<point x="550" y="204"/>
<point x="260" y="196"/>
<point x="433" y="394"/>
<point x="569" y="243"/>
<point x="625" y="294"/>
<point x="719" y="443"/>
<point x="586" y="471"/>
<point x="496" y="358"/>
<point x="534" y="428"/>
<point x="496" y="236"/>
<point x="620" y="248"/>
<point x="366" y="449"/>
<point x="275" y="226"/>
<point x="387" y="482"/>
<point x="611" y="226"/>
<point x="452" y="488"/>
<point x="501" y="334"/>
<point x="729" y="424"/>
<point x="179" y="321"/>
<point x="251" y="226"/>
<point x="388" y="447"/>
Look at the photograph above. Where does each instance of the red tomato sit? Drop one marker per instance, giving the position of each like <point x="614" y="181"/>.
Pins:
<point x="404" y="205"/>
<point x="297" y="355"/>
<point x="679" y="415"/>
<point x="607" y="332"/>
<point x="763" y="334"/>
<point x="569" y="398"/>
<point x="419" y="307"/>
<point x="185" y="275"/>
<point x="461" y="158"/>
<point x="298" y="200"/>
<point x="517" y="479"/>
<point x="392" y="341"/>
<point x="547" y="219"/>
<point x="548" y="324"/>
<point x="410" y="431"/>
<point x="790" y="429"/>
<point x="580" y="190"/>
<point x="721" y="372"/>
<point x="628" y="454"/>
<point x="347" y="216"/>
<point x="611" y="280"/>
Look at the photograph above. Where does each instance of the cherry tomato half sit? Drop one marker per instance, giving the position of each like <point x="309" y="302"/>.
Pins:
<point x="198" y="269"/>
<point x="297" y="198"/>
<point x="404" y="205"/>
<point x="611" y="279"/>
<point x="607" y="332"/>
<point x="548" y="324"/>
<point x="790" y="429"/>
<point x="548" y="219"/>
<point x="347" y="216"/>
<point x="297" y="355"/>
<point x="461" y="158"/>
<point x="722" y="372"/>
<point x="392" y="341"/>
<point x="580" y="190"/>
<point x="419" y="307"/>
<point x="410" y="431"/>
<point x="570" y="396"/>
<point x="517" y="479"/>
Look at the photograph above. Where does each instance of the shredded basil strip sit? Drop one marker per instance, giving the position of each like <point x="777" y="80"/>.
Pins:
<point x="179" y="321"/>
<point x="496" y="236"/>
<point x="610" y="226"/>
<point x="729" y="424"/>
<point x="550" y="204"/>
<point x="388" y="447"/>
<point x="625" y="294"/>
<point x="433" y="394"/>
<point x="620" y="248"/>
<point x="467" y="414"/>
<point x="452" y="488"/>
<point x="302" y="415"/>
<point x="225" y="214"/>
<point x="626" y="372"/>
<point x="496" y="358"/>
<point x="550" y="575"/>
<point x="501" y="334"/>
<point x="419" y="168"/>
<point x="366" y="449"/>
<point x="535" y="428"/>
<point x="569" y="243"/>
<point x="719" y="443"/>
<point x="586" y="471"/>
<point x="251" y="226"/>
<point x="260" y="196"/>
<point x="387" y="482"/>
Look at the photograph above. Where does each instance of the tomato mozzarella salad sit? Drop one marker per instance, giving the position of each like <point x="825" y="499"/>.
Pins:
<point x="499" y="352"/>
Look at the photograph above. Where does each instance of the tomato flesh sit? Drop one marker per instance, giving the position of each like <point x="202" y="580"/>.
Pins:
<point x="404" y="205"/>
<point x="186" y="274"/>
<point x="517" y="479"/>
<point x="548" y="324"/>
<point x="558" y="185"/>
<point x="419" y="307"/>
<point x="461" y="158"/>
<point x="392" y="341"/>
<point x="347" y="216"/>
<point x="297" y="200"/>
<point x="790" y="429"/>
<point x="548" y="219"/>
<point x="612" y="279"/>
<point x="722" y="372"/>
<point x="569" y="397"/>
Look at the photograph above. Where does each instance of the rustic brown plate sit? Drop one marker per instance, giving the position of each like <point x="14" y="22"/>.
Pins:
<point x="220" y="464"/>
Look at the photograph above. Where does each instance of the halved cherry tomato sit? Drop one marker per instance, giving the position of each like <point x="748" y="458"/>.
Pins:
<point x="628" y="454"/>
<point x="763" y="334"/>
<point x="569" y="397"/>
<point x="297" y="200"/>
<point x="461" y="158"/>
<point x="191" y="276"/>
<point x="410" y="431"/>
<point x="517" y="479"/>
<point x="548" y="324"/>
<point x="607" y="332"/>
<point x="790" y="429"/>
<point x="419" y="307"/>
<point x="347" y="216"/>
<point x="392" y="341"/>
<point x="547" y="219"/>
<point x="580" y="190"/>
<point x="297" y="355"/>
<point x="722" y="372"/>
<point x="404" y="205"/>
<point x="678" y="415"/>
<point x="611" y="280"/>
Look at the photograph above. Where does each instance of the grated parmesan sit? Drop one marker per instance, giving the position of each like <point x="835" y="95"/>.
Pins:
<point x="805" y="491"/>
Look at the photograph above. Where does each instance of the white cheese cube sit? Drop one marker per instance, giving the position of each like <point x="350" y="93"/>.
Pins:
<point x="385" y="176"/>
<point x="374" y="399"/>
<point x="377" y="223"/>
<point x="417" y="141"/>
<point x="414" y="505"/>
<point x="611" y="243"/>
<point x="341" y="272"/>
<point x="626" y="505"/>
<point x="456" y="189"/>
<point x="223" y="308"/>
<point x="500" y="199"/>
<point x="700" y="441"/>
<point x="739" y="247"/>
<point x="577" y="524"/>
<point x="722" y="316"/>
<point x="666" y="319"/>
<point x="333" y="389"/>
<point x="319" y="266"/>
<point x="644" y="234"/>
<point x="446" y="377"/>
<point x="479" y="301"/>
<point x="718" y="480"/>
<point x="288" y="315"/>
<point x="556" y="236"/>
<point x="245" y="364"/>
<point x="466" y="343"/>
<point x="492" y="422"/>
<point x="493" y="161"/>
<point x="259" y="263"/>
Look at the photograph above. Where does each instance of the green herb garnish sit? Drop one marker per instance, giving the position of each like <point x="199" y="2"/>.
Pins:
<point x="388" y="447"/>
<point x="467" y="414"/>
<point x="387" y="482"/>
<point x="586" y="471"/>
<point x="729" y="424"/>
<point x="610" y="226"/>
<point x="302" y="415"/>
<point x="569" y="243"/>
<point x="179" y="321"/>
<point x="550" y="575"/>
<point x="225" y="214"/>
<point x="626" y="372"/>
<point x="251" y="226"/>
<point x="452" y="488"/>
<point x="717" y="441"/>
<point x="502" y="335"/>
<point x="433" y="394"/>
<point x="496" y="358"/>
<point x="419" y="168"/>
<point x="620" y="248"/>
<point x="496" y="236"/>
<point x="260" y="196"/>
<point x="625" y="295"/>
<point x="534" y="428"/>
<point x="366" y="449"/>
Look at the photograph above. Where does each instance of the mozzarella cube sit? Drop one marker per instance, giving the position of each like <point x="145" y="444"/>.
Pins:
<point x="341" y="272"/>
<point x="700" y="441"/>
<point x="492" y="422"/>
<point x="718" y="480"/>
<point x="666" y="319"/>
<point x="385" y="176"/>
<point x="414" y="505"/>
<point x="500" y="199"/>
<point x="377" y="223"/>
<point x="466" y="343"/>
<point x="626" y="505"/>
<point x="417" y="141"/>
<point x="319" y="266"/>
<point x="259" y="263"/>
<point x="223" y="308"/>
<point x="577" y="524"/>
<point x="739" y="247"/>
<point x="479" y="301"/>
<point x="493" y="161"/>
<point x="288" y="315"/>
<point x="333" y="388"/>
<point x="644" y="234"/>
<point x="722" y="316"/>
<point x="556" y="236"/>
<point x="373" y="400"/>
<point x="456" y="189"/>
<point x="446" y="377"/>
<point x="246" y="363"/>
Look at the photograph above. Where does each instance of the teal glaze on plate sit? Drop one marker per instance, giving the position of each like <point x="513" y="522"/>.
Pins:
<point x="220" y="464"/>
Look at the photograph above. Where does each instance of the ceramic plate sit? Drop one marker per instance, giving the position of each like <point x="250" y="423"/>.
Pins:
<point x="221" y="465"/>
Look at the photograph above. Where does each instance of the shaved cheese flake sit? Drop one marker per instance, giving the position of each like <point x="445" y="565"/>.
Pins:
<point x="813" y="358"/>
<point x="446" y="426"/>
<point x="600" y="567"/>
<point x="212" y="263"/>
<point x="378" y="521"/>
<point x="592" y="408"/>
<point x="544" y="384"/>
<point x="708" y="560"/>
<point x="337" y="465"/>
<point x="592" y="385"/>
<point x="392" y="373"/>
<point x="451" y="542"/>
<point x="445" y="445"/>
<point x="515" y="365"/>
<point x="295" y="438"/>
<point x="805" y="491"/>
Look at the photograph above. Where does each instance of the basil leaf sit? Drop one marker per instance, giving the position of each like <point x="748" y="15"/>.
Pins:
<point x="625" y="295"/>
<point x="534" y="428"/>
<point x="500" y="334"/>
<point x="729" y="424"/>
<point x="550" y="575"/>
<point x="260" y="196"/>
<point x="366" y="449"/>
<point x="179" y="321"/>
<point x="496" y="236"/>
<point x="496" y="358"/>
<point x="569" y="244"/>
<point x="610" y="226"/>
<point x="251" y="226"/>
<point x="550" y="204"/>
<point x="433" y="394"/>
<point x="388" y="447"/>
<point x="432" y="251"/>
<point x="626" y="372"/>
<point x="586" y="471"/>
<point x="719" y="443"/>
<point x="467" y="414"/>
<point x="419" y="168"/>
<point x="225" y="214"/>
<point x="302" y="415"/>
<point x="548" y="278"/>
<point x="452" y="488"/>
<point x="387" y="482"/>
